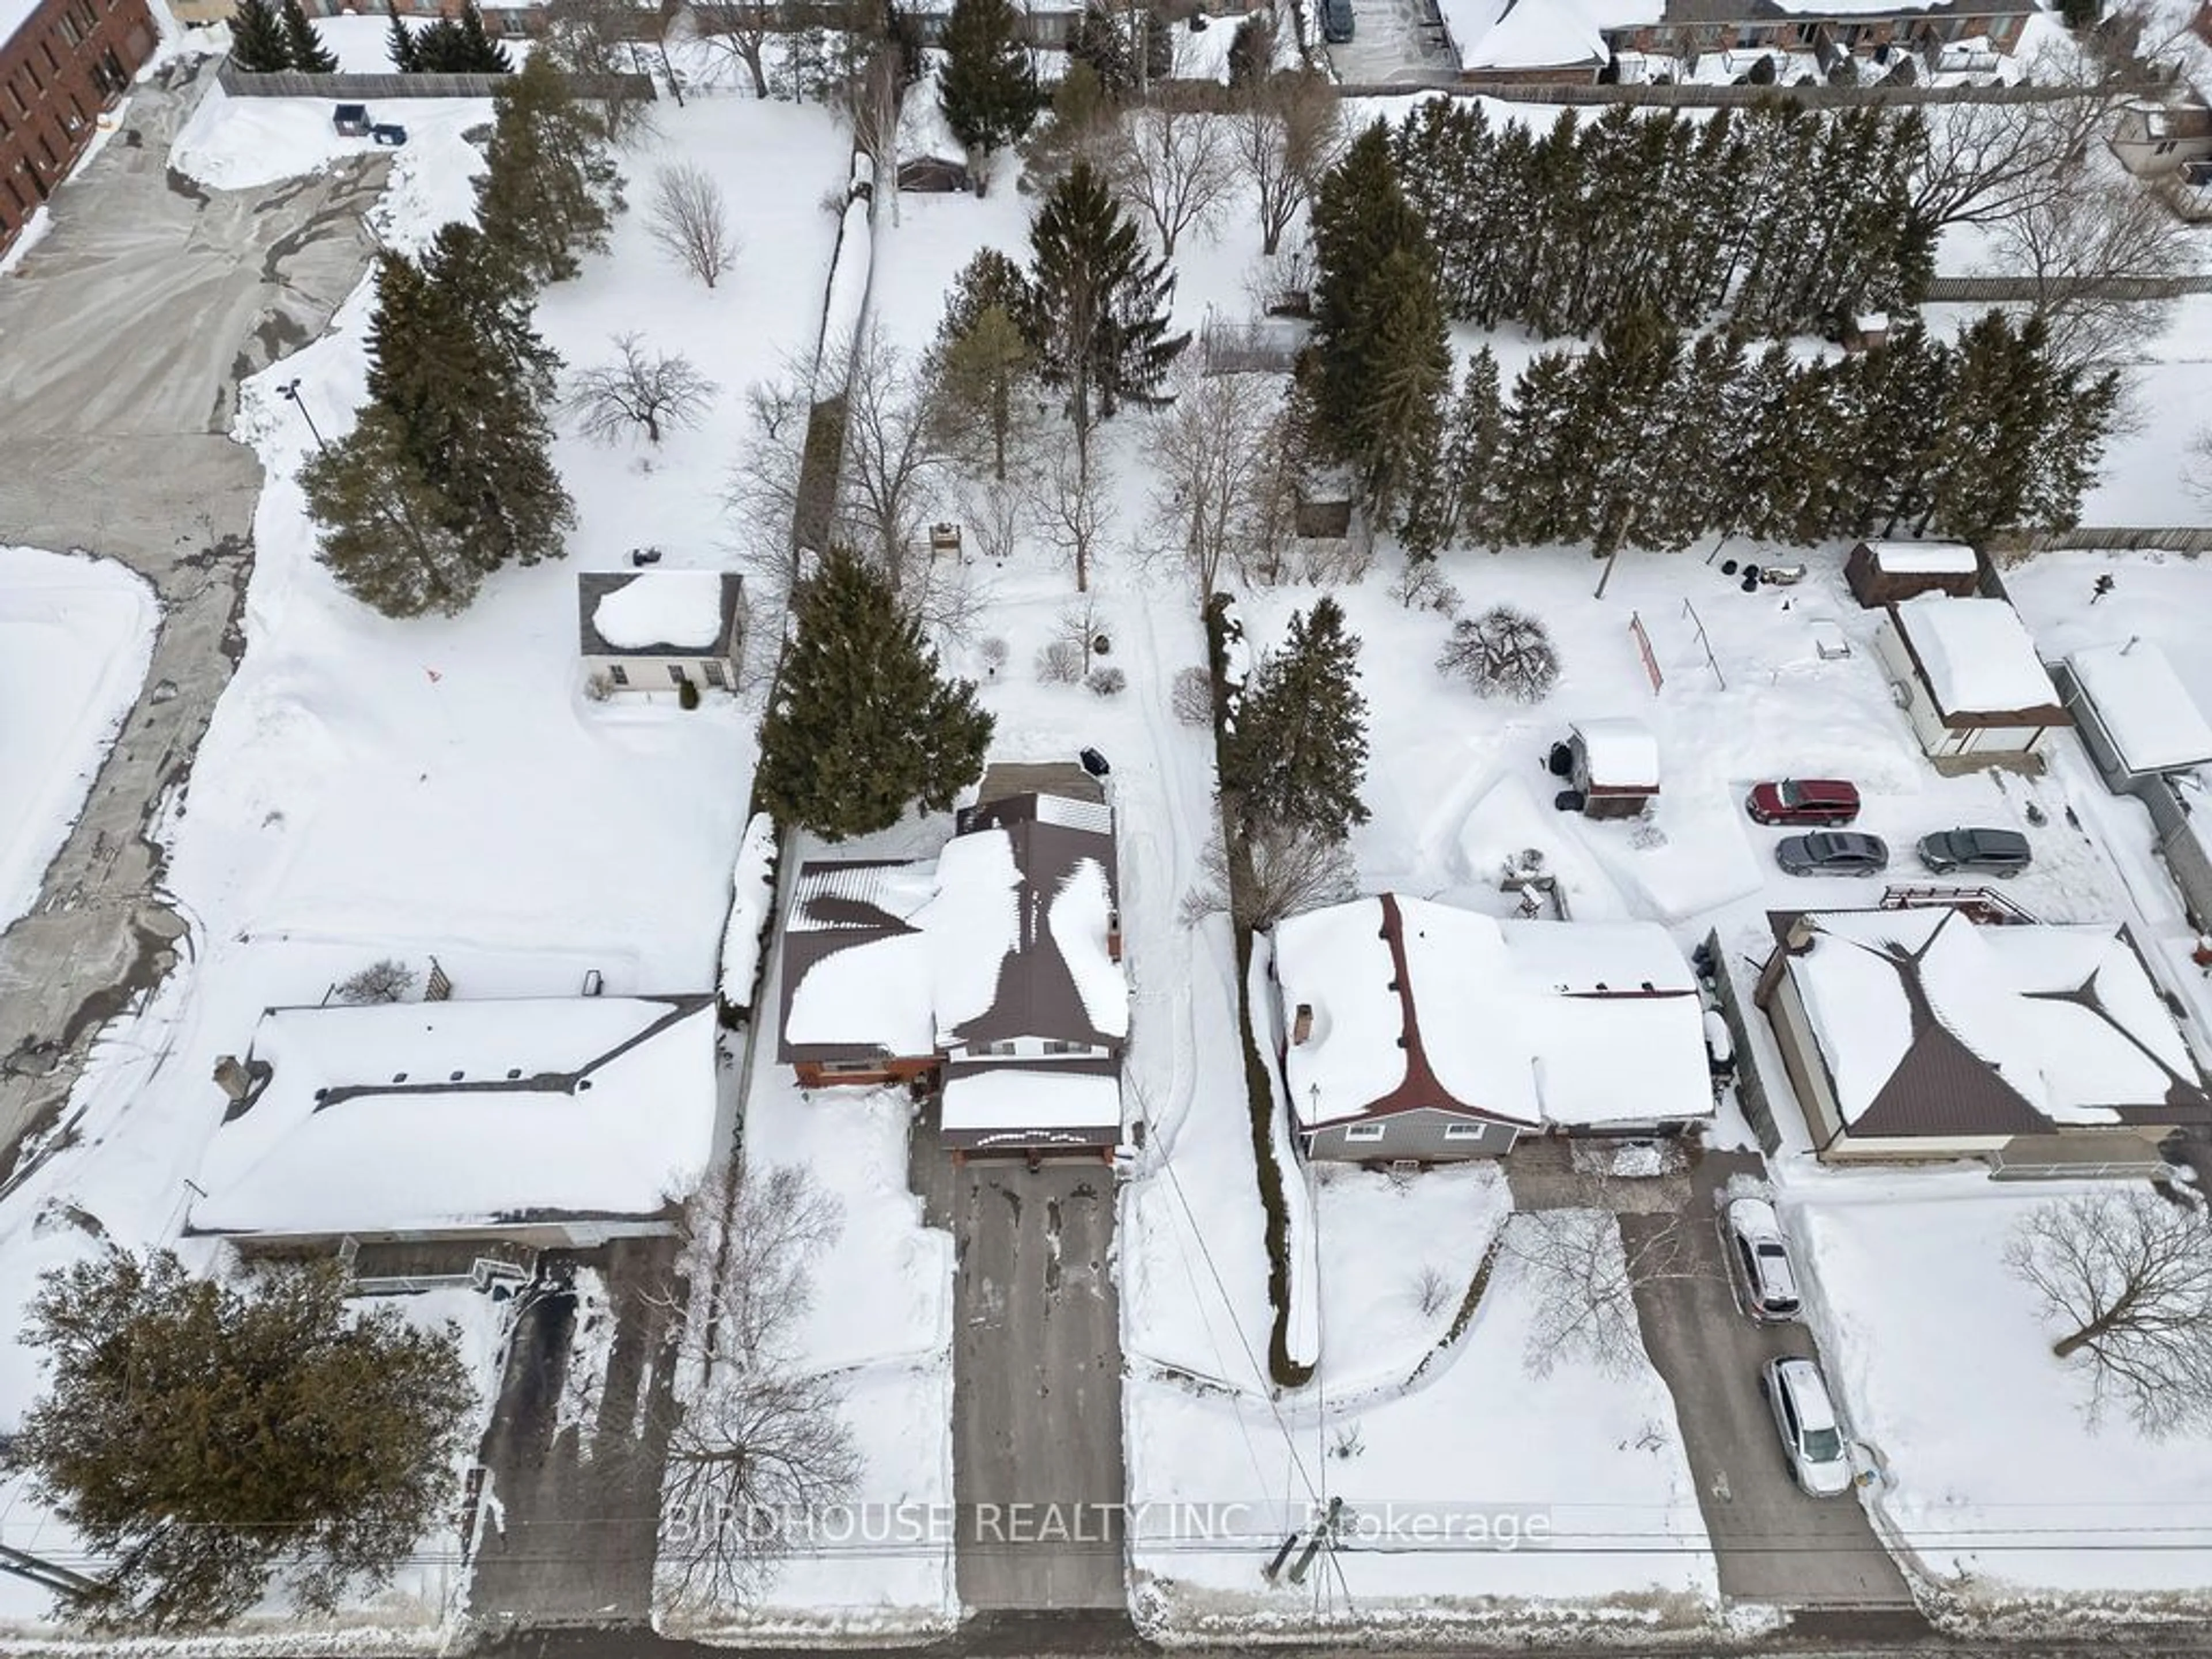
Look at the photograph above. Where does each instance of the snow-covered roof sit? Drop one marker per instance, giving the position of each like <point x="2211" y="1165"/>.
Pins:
<point x="1011" y="1097"/>
<point x="1510" y="35"/>
<point x="1924" y="558"/>
<point x="657" y="613"/>
<point x="1620" y="754"/>
<point x="1976" y="655"/>
<point x="2143" y="706"/>
<point x="2027" y="1026"/>
<point x="922" y="131"/>
<point x="1541" y="1022"/>
<point x="439" y="1116"/>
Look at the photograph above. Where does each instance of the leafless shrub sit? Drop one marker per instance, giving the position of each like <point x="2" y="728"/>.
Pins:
<point x="656" y="391"/>
<point x="1062" y="662"/>
<point x="994" y="653"/>
<point x="689" y="220"/>
<point x="1193" y="698"/>
<point x="1503" y="653"/>
<point x="1431" y="1291"/>
<point x="2127" y="1277"/>
<point x="1285" y="871"/>
<point x="388" y="981"/>
<point x="1106" y="682"/>
<point x="1421" y="586"/>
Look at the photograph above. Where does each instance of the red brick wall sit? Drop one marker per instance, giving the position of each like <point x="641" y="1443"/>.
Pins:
<point x="69" y="61"/>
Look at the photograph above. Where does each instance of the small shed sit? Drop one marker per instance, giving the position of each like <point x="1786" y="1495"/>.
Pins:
<point x="1967" y="677"/>
<point x="657" y="631"/>
<point x="2136" y="717"/>
<point x="1615" y="767"/>
<point x="1883" y="573"/>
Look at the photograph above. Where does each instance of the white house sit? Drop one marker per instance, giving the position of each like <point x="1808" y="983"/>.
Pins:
<point x="553" y="1122"/>
<point x="1413" y="1031"/>
<point x="1966" y="675"/>
<point x="656" y="630"/>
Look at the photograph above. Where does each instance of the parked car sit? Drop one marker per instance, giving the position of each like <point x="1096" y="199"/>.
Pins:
<point x="1992" y="852"/>
<point x="1812" y="1437"/>
<point x="1804" y="800"/>
<point x="1846" y="854"/>
<point x="1336" y="21"/>
<point x="1765" y="1278"/>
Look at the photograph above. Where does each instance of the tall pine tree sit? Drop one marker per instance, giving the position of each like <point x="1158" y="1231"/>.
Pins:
<point x="481" y="54"/>
<point x="1299" y="750"/>
<point x="549" y="190"/>
<point x="382" y="528"/>
<point x="398" y="42"/>
<point x="257" y="42"/>
<point x="863" y="724"/>
<point x="987" y="87"/>
<point x="303" y="48"/>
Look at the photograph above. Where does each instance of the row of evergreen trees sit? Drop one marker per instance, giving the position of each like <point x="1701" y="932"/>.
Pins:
<point x="1651" y="439"/>
<point x="446" y="45"/>
<point x="447" y="475"/>
<point x="264" y="39"/>
<point x="1793" y="220"/>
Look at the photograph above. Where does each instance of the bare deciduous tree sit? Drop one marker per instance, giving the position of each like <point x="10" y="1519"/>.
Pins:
<point x="1172" y="161"/>
<point x="868" y="103"/>
<point x="1983" y="163"/>
<point x="1288" y="129"/>
<point x="388" y="981"/>
<point x="1286" y="871"/>
<point x="738" y="31"/>
<point x="1072" y="508"/>
<point x="759" y="1442"/>
<point x="896" y="453"/>
<point x="1193" y="696"/>
<point x="601" y="39"/>
<point x="1584" y="1268"/>
<point x="689" y="220"/>
<point x="1217" y="469"/>
<point x="993" y="513"/>
<point x="653" y="390"/>
<point x="1503" y="653"/>
<point x="2083" y="244"/>
<point x="2126" y="1277"/>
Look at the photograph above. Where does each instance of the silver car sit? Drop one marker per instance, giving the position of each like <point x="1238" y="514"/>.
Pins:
<point x="1812" y="1435"/>
<point x="1760" y="1262"/>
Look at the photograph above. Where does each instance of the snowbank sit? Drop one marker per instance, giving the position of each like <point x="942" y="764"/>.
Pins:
<point x="1302" y="1331"/>
<point x="752" y="887"/>
<point x="846" y="312"/>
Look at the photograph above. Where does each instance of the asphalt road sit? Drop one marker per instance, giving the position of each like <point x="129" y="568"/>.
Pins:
<point x="1036" y="1368"/>
<point x="1773" y="1544"/>
<point x="124" y="334"/>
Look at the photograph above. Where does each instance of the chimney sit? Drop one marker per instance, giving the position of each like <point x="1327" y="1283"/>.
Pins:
<point x="230" y="1076"/>
<point x="1799" y="941"/>
<point x="1113" y="936"/>
<point x="1301" y="1026"/>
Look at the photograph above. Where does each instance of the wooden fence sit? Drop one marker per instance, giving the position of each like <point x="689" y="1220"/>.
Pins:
<point x="360" y="88"/>
<point x="2023" y="289"/>
<point x="1824" y="95"/>
<point x="2189" y="539"/>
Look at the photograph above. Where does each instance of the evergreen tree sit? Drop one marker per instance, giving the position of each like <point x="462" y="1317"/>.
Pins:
<point x="1477" y="437"/>
<point x="383" y="528"/>
<point x="303" y="48"/>
<point x="398" y="43"/>
<point x="1406" y="372"/>
<point x="549" y="190"/>
<point x="1100" y="42"/>
<point x="204" y="1438"/>
<point x="258" y="43"/>
<point x="1299" y="750"/>
<point x="987" y="87"/>
<point x="480" y="53"/>
<point x="1097" y="304"/>
<point x="438" y="48"/>
<point x="863" y="724"/>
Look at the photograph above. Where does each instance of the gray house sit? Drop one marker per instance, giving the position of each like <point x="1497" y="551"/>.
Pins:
<point x="657" y="631"/>
<point x="2135" y="716"/>
<point x="1414" y="1032"/>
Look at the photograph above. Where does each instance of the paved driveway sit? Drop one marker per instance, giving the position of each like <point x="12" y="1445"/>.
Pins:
<point x="1036" y="1399"/>
<point x="1774" y="1544"/>
<point x="123" y="337"/>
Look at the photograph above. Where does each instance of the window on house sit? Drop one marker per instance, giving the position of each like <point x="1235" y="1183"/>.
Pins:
<point x="53" y="59"/>
<point x="1062" y="1046"/>
<point x="1466" y="1131"/>
<point x="675" y="675"/>
<point x="618" y="674"/>
<point x="37" y="84"/>
<point x="1003" y="1049"/>
<point x="849" y="1067"/>
<point x="70" y="33"/>
<point x="1364" y="1131"/>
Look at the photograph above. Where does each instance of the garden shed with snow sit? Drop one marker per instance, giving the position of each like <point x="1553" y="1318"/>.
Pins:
<point x="656" y="630"/>
<point x="1966" y="673"/>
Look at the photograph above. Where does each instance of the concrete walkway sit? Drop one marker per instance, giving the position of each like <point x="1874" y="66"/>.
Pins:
<point x="125" y="334"/>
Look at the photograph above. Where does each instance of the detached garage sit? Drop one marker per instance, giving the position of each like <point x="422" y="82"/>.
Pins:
<point x="1883" y="573"/>
<point x="2136" y="718"/>
<point x="1966" y="675"/>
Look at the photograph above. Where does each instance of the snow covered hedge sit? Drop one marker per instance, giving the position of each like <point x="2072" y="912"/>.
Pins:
<point x="752" y="893"/>
<point x="1298" y="1312"/>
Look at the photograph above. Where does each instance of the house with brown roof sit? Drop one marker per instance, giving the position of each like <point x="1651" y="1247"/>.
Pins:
<point x="989" y="977"/>
<point x="1918" y="1034"/>
<point x="1967" y="677"/>
<point x="1413" y="1031"/>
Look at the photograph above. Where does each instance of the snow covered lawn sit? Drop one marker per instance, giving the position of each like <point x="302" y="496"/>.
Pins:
<point x="76" y="635"/>
<point x="2000" y="1492"/>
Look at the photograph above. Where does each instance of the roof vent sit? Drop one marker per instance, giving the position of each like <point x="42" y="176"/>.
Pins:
<point x="513" y="1073"/>
<point x="454" y="1078"/>
<point x="400" y="1077"/>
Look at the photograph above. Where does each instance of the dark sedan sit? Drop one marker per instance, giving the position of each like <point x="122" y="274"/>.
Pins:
<point x="1847" y="854"/>
<point x="1988" y="852"/>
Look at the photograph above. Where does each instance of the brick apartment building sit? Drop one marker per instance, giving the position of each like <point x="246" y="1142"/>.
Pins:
<point x="62" y="62"/>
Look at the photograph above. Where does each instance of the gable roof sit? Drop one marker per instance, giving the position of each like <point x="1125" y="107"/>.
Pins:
<point x="425" y="1116"/>
<point x="1416" y="1005"/>
<point x="1978" y="661"/>
<point x="657" y="613"/>
<point x="1929" y="1023"/>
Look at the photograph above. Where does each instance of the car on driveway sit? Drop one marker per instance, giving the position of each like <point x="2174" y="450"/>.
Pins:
<point x="1846" y="854"/>
<point x="1987" y="852"/>
<point x="1803" y="801"/>
<point x="1765" y="1279"/>
<point x="1811" y="1435"/>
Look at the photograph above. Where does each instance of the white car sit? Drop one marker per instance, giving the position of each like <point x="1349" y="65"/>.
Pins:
<point x="1812" y="1437"/>
<point x="1765" y="1282"/>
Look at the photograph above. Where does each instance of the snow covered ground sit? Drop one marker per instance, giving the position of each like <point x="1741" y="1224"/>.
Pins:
<point x="1999" y="1492"/>
<point x="76" y="635"/>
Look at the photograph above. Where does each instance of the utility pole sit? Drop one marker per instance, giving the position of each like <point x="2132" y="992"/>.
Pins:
<point x="290" y="392"/>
